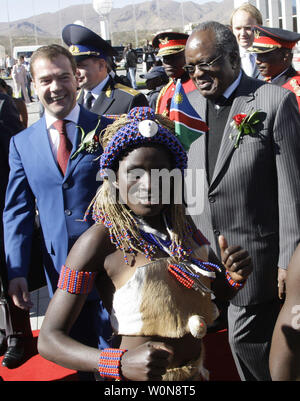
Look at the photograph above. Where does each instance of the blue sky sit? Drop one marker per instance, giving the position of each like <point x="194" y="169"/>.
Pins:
<point x="18" y="9"/>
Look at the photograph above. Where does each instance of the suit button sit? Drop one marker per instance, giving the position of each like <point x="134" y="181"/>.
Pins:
<point x="65" y="185"/>
<point x="68" y="212"/>
<point x="211" y="199"/>
<point x="217" y="232"/>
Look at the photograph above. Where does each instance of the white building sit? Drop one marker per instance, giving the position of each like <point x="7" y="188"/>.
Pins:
<point x="283" y="14"/>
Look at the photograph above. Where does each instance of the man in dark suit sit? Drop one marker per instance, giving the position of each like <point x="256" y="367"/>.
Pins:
<point x="46" y="174"/>
<point x="98" y="91"/>
<point x="11" y="338"/>
<point x="251" y="189"/>
<point x="274" y="50"/>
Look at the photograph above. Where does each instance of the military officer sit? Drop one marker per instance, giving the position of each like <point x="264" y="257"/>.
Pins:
<point x="273" y="47"/>
<point x="99" y="92"/>
<point x="171" y="47"/>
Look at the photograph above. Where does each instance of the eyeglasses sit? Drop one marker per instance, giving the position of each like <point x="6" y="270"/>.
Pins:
<point x="201" y="66"/>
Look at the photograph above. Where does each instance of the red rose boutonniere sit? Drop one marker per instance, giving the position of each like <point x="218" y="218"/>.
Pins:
<point x="89" y="142"/>
<point x="244" y="123"/>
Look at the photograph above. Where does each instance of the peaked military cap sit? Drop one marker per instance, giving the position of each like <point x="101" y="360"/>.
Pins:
<point x="267" y="39"/>
<point x="169" y="43"/>
<point x="84" y="43"/>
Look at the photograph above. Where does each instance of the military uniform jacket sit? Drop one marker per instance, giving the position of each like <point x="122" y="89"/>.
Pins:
<point x="253" y="196"/>
<point x="291" y="80"/>
<point x="115" y="98"/>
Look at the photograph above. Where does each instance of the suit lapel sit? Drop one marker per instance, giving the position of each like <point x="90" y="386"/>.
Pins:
<point x="80" y="96"/>
<point x="201" y="143"/>
<point x="87" y="124"/>
<point x="242" y="103"/>
<point x="104" y="100"/>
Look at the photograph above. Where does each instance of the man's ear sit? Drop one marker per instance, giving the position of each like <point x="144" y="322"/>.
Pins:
<point x="102" y="64"/>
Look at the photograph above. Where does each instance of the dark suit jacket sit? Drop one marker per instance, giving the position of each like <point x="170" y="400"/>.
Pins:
<point x="10" y="124"/>
<point x="115" y="98"/>
<point x="254" y="194"/>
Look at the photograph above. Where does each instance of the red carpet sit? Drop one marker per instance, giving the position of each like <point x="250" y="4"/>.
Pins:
<point x="36" y="368"/>
<point x="218" y="361"/>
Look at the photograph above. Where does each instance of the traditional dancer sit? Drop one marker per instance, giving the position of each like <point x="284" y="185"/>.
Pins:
<point x="154" y="271"/>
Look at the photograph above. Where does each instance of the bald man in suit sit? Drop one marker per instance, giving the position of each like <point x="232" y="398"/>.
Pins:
<point x="251" y="189"/>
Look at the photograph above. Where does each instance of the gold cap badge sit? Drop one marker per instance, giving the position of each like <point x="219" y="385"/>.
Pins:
<point x="74" y="49"/>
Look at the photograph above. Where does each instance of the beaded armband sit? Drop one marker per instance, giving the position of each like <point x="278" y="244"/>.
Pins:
<point x="76" y="282"/>
<point x="109" y="364"/>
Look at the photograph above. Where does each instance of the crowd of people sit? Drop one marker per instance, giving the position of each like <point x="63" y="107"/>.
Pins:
<point x="137" y="276"/>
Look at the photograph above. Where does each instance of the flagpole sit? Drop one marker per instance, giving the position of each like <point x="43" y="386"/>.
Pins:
<point x="182" y="16"/>
<point x="134" y="21"/>
<point x="59" y="19"/>
<point x="34" y="16"/>
<point x="9" y="33"/>
<point x="158" y="9"/>
<point x="84" y="12"/>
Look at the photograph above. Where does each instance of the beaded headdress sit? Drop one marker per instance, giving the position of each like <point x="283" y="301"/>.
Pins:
<point x="142" y="128"/>
<point x="138" y="128"/>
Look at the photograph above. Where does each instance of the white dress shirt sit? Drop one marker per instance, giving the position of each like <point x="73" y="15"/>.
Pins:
<point x="96" y="91"/>
<point x="71" y="126"/>
<point x="248" y="61"/>
<point x="231" y="89"/>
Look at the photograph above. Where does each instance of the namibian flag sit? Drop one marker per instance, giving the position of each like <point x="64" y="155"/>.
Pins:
<point x="188" y="124"/>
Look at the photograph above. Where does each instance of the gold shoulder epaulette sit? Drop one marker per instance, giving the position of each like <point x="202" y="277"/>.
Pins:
<point x="127" y="89"/>
<point x="161" y="94"/>
<point x="79" y="94"/>
<point x="295" y="85"/>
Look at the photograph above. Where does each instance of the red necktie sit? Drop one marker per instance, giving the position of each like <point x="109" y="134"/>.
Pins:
<point x="65" y="145"/>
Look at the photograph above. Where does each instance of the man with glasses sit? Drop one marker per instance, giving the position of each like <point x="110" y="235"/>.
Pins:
<point x="171" y="47"/>
<point x="251" y="193"/>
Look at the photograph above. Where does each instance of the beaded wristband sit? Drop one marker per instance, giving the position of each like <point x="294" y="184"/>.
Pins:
<point x="109" y="364"/>
<point x="236" y="284"/>
<point x="76" y="282"/>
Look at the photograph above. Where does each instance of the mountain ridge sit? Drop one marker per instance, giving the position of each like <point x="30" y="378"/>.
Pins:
<point x="145" y="16"/>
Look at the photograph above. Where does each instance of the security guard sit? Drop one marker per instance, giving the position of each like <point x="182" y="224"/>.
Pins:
<point x="273" y="47"/>
<point x="99" y="92"/>
<point x="171" y="47"/>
